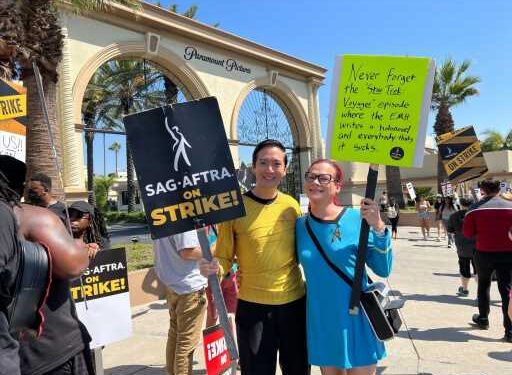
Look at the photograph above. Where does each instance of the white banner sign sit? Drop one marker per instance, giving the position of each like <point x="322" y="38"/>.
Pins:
<point x="102" y="299"/>
<point x="410" y="190"/>
<point x="12" y="140"/>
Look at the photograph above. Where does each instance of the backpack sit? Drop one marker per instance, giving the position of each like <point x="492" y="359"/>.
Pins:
<point x="392" y="213"/>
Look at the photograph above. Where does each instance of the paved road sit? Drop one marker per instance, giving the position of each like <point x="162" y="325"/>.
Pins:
<point x="426" y="274"/>
<point x="126" y="232"/>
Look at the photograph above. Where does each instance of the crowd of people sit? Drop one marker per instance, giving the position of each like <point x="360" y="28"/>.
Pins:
<point x="480" y="230"/>
<point x="263" y="260"/>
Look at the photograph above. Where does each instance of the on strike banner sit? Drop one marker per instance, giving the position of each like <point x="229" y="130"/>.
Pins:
<point x="184" y="166"/>
<point x="215" y="351"/>
<point x="461" y="154"/>
<point x="379" y="109"/>
<point x="13" y="120"/>
<point x="102" y="299"/>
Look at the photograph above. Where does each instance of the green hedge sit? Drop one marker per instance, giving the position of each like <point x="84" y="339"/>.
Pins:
<point x="113" y="217"/>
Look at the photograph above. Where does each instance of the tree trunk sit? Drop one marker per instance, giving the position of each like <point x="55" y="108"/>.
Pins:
<point x="130" y="183"/>
<point x="441" y="174"/>
<point x="444" y="124"/>
<point x="394" y="185"/>
<point x="89" y="141"/>
<point x="116" y="151"/>
<point x="40" y="157"/>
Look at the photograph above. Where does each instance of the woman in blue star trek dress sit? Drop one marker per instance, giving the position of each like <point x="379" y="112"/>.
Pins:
<point x="340" y="343"/>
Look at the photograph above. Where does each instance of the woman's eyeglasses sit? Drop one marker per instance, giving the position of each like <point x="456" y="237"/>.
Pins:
<point x="323" y="179"/>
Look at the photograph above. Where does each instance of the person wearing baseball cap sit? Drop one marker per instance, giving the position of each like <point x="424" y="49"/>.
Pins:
<point x="88" y="224"/>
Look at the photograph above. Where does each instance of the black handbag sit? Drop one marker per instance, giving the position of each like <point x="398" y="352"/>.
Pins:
<point x="382" y="313"/>
<point x="24" y="313"/>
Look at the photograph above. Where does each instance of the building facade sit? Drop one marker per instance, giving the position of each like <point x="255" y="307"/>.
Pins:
<point x="202" y="60"/>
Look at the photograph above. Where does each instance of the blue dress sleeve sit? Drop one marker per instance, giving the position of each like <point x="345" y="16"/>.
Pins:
<point x="380" y="255"/>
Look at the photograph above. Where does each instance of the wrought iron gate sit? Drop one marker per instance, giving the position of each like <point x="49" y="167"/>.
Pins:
<point x="263" y="116"/>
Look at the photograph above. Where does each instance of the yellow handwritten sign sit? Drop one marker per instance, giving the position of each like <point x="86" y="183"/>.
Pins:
<point x="379" y="109"/>
<point x="13" y="100"/>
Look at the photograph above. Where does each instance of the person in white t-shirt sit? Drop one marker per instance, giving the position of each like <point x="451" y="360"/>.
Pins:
<point x="176" y="265"/>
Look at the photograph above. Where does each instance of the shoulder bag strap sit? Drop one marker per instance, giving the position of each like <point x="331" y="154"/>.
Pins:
<point x="340" y="273"/>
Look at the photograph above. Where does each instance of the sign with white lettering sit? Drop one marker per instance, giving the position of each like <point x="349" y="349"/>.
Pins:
<point x="379" y="109"/>
<point x="216" y="353"/>
<point x="102" y="299"/>
<point x="184" y="166"/>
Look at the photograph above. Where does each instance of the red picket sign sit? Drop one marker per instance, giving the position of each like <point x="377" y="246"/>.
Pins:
<point x="216" y="352"/>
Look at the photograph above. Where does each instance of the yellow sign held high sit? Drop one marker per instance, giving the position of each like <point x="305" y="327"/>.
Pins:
<point x="13" y="100"/>
<point x="461" y="154"/>
<point x="13" y="106"/>
<point x="462" y="158"/>
<point x="379" y="109"/>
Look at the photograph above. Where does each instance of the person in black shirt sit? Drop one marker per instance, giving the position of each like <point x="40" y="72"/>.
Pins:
<point x="9" y="359"/>
<point x="69" y="257"/>
<point x="63" y="348"/>
<point x="40" y="194"/>
<point x="465" y="246"/>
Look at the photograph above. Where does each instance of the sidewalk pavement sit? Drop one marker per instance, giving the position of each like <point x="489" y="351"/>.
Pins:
<point x="426" y="274"/>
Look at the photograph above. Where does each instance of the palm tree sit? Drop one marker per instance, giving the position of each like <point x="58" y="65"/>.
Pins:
<point x="11" y="28"/>
<point x="126" y="86"/>
<point x="495" y="141"/>
<point x="92" y="114"/>
<point x="115" y="147"/>
<point x="31" y="33"/>
<point x="452" y="86"/>
<point x="102" y="185"/>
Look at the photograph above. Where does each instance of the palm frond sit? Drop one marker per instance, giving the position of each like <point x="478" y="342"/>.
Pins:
<point x="191" y="12"/>
<point x="80" y="6"/>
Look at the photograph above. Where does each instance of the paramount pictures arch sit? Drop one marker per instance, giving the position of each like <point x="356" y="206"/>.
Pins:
<point x="202" y="60"/>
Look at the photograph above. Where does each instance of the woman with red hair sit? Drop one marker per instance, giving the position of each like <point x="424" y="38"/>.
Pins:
<point x="340" y="343"/>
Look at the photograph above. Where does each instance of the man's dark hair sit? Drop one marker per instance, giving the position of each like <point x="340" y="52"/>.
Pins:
<point x="97" y="230"/>
<point x="7" y="195"/>
<point x="466" y="202"/>
<point x="43" y="179"/>
<point x="490" y="186"/>
<point x="268" y="143"/>
<point x="12" y="179"/>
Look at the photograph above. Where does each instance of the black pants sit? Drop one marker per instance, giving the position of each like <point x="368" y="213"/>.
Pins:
<point x="394" y="224"/>
<point x="80" y="364"/>
<point x="486" y="263"/>
<point x="263" y="330"/>
<point x="465" y="266"/>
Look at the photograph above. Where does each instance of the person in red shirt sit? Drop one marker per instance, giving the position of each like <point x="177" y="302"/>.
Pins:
<point x="489" y="221"/>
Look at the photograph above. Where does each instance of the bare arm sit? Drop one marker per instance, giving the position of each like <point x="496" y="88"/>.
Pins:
<point x="191" y="253"/>
<point x="69" y="256"/>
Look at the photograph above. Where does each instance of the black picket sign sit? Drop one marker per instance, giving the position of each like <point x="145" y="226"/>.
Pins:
<point x="184" y="167"/>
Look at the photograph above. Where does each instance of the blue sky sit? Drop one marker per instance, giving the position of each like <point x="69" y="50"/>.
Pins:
<point x="317" y="31"/>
